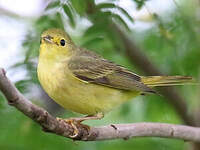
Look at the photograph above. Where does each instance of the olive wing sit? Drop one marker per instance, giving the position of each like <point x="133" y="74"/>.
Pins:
<point x="103" y="72"/>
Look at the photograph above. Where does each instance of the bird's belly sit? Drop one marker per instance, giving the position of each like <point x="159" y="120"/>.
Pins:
<point x="88" y="98"/>
<point x="81" y="97"/>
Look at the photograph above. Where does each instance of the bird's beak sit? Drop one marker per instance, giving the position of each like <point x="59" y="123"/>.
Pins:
<point x="48" y="39"/>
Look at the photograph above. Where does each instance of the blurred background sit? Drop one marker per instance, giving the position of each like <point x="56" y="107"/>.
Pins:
<point x="150" y="37"/>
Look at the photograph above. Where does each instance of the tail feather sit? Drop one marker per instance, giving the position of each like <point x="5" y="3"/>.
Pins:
<point x="152" y="81"/>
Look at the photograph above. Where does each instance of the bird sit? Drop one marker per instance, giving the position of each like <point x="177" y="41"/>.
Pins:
<point x="84" y="82"/>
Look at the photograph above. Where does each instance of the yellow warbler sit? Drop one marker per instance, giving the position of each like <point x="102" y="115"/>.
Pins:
<point x="84" y="82"/>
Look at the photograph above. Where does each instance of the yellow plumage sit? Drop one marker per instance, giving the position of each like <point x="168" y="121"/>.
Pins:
<point x="84" y="82"/>
<point x="76" y="95"/>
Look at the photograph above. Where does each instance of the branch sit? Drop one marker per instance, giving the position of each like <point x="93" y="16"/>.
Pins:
<point x="117" y="131"/>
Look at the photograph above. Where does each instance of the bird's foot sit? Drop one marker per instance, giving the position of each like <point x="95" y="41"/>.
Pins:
<point x="98" y="116"/>
<point x="76" y="122"/>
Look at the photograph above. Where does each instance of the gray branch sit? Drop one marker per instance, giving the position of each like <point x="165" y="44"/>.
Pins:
<point x="109" y="132"/>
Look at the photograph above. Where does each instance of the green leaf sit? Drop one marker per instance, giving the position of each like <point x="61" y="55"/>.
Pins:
<point x="69" y="13"/>
<point x="125" y="13"/>
<point x="106" y="5"/>
<point x="18" y="64"/>
<point x="117" y="18"/>
<point x="53" y="5"/>
<point x="53" y="21"/>
<point x="111" y="5"/>
<point x="96" y="29"/>
<point x="22" y="85"/>
<point x="80" y="6"/>
<point x="59" y="22"/>
<point x="94" y="34"/>
<point x="92" y="41"/>
<point x="140" y="3"/>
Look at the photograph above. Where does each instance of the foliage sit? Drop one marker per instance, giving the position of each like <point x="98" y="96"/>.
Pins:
<point x="172" y="43"/>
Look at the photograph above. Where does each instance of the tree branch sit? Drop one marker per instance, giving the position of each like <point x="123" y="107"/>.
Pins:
<point x="117" y="131"/>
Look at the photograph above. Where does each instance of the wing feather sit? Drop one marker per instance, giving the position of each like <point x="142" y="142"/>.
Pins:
<point x="103" y="72"/>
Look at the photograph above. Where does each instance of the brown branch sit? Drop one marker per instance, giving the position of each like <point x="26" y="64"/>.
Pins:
<point x="117" y="131"/>
<point x="39" y="115"/>
<point x="127" y="131"/>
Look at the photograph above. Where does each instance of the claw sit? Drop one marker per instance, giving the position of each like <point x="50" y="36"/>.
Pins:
<point x="75" y="122"/>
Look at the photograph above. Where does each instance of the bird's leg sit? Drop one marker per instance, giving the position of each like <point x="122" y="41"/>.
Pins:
<point x="74" y="122"/>
<point x="97" y="116"/>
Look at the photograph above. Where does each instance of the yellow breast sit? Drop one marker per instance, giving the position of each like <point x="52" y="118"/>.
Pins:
<point x="76" y="95"/>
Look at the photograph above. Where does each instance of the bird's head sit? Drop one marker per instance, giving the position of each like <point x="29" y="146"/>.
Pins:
<point x="55" y="43"/>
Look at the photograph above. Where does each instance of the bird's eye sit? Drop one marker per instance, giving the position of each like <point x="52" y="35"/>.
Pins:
<point x="62" y="42"/>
